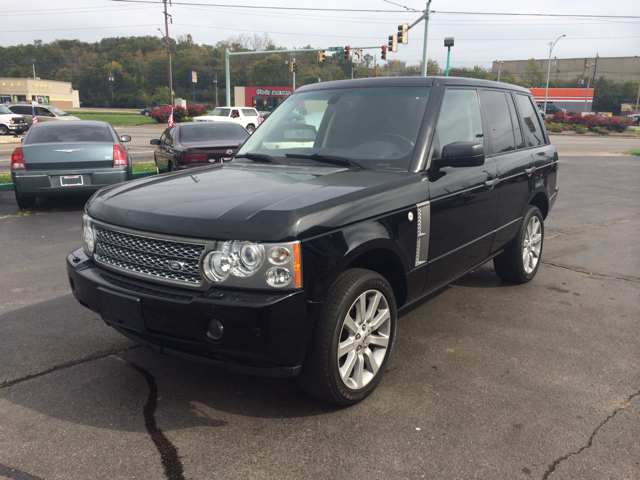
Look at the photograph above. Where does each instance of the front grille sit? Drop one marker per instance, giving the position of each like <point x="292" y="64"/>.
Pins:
<point x="151" y="257"/>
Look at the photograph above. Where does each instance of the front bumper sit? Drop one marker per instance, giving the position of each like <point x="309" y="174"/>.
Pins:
<point x="18" y="128"/>
<point x="264" y="333"/>
<point x="42" y="183"/>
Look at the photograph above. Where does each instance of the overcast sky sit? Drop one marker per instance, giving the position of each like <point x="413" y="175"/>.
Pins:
<point x="479" y="39"/>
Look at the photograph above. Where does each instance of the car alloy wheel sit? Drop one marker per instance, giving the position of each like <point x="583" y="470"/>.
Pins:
<point x="532" y="245"/>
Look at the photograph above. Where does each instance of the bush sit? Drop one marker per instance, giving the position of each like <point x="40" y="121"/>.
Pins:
<point x="601" y="130"/>
<point x="555" y="127"/>
<point x="615" y="124"/>
<point x="196" y="110"/>
<point x="580" y="129"/>
<point x="577" y="119"/>
<point x="559" y="117"/>
<point x="161" y="115"/>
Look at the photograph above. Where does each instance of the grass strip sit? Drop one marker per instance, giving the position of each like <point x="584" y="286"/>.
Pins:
<point x="143" y="167"/>
<point x="117" y="120"/>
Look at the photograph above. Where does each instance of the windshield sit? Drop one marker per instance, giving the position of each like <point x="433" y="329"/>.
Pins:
<point x="376" y="128"/>
<point x="220" y="112"/>
<point x="63" y="132"/>
<point x="57" y="111"/>
<point x="4" y="109"/>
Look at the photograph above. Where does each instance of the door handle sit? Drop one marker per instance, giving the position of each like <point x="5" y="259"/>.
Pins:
<point x="529" y="170"/>
<point x="492" y="182"/>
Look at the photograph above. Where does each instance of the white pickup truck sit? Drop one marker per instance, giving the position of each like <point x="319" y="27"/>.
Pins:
<point x="245" y="116"/>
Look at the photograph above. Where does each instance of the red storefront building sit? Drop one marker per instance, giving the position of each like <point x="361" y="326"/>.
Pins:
<point x="263" y="99"/>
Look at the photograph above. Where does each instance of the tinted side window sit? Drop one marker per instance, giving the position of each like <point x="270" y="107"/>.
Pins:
<point x="21" y="110"/>
<point x="495" y="106"/>
<point x="169" y="139"/>
<point x="249" y="112"/>
<point x="532" y="130"/>
<point x="516" y="124"/>
<point x="460" y="118"/>
<point x="163" y="138"/>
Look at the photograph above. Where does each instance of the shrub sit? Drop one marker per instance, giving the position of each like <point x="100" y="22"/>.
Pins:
<point x="601" y="130"/>
<point x="615" y="124"/>
<point x="161" y="115"/>
<point x="196" y="110"/>
<point x="591" y="122"/>
<point x="555" y="127"/>
<point x="566" y="127"/>
<point x="559" y="117"/>
<point x="577" y="119"/>
<point x="580" y="129"/>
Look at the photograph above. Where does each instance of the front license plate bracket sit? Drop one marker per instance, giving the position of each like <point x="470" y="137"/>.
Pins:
<point x="121" y="310"/>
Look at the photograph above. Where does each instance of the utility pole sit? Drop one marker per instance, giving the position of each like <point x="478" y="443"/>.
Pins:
<point x="426" y="33"/>
<point x="215" y="83"/>
<point x="34" y="70"/>
<point x="294" y="73"/>
<point x="499" y="69"/>
<point x="166" y="29"/>
<point x="586" y="95"/>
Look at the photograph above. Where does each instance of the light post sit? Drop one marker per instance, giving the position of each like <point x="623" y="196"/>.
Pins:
<point x="215" y="83"/>
<point x="586" y="95"/>
<point x="546" y="90"/>
<point x="166" y="38"/>
<point x="448" y="42"/>
<point x="499" y="69"/>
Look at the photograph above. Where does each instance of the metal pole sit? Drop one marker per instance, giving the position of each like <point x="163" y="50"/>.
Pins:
<point x="34" y="70"/>
<point x="546" y="90"/>
<point x="499" y="69"/>
<point x="426" y="33"/>
<point x="294" y="76"/>
<point x="216" y="82"/>
<point x="194" y="93"/>
<point x="448" y="54"/>
<point x="586" y="95"/>
<point x="228" y="76"/>
<point x="166" y="29"/>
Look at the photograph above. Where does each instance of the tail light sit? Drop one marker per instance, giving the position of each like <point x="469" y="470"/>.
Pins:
<point x="193" y="158"/>
<point x="119" y="157"/>
<point x="17" y="160"/>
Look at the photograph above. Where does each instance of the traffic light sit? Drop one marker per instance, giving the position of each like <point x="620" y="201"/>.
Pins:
<point x="383" y="54"/>
<point x="393" y="46"/>
<point x="321" y="56"/>
<point x="402" y="33"/>
<point x="291" y="64"/>
<point x="347" y="52"/>
<point x="294" y="67"/>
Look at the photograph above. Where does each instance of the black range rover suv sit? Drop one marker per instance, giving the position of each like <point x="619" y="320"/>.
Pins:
<point x="351" y="202"/>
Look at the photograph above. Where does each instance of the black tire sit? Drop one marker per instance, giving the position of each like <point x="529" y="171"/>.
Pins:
<point x="321" y="373"/>
<point x="251" y="128"/>
<point x="514" y="264"/>
<point x="170" y="166"/>
<point x="4" y="130"/>
<point x="24" y="202"/>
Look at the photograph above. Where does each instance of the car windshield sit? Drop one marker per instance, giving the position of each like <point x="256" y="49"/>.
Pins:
<point x="376" y="128"/>
<point x="62" y="132"/>
<point x="58" y="112"/>
<point x="220" y="112"/>
<point x="4" y="109"/>
<point x="212" y="131"/>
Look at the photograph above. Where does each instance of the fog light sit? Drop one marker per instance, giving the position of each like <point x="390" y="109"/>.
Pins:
<point x="278" y="277"/>
<point x="216" y="329"/>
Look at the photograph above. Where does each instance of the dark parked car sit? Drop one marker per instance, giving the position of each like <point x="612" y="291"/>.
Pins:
<point x="551" y="109"/>
<point x="147" y="111"/>
<point x="68" y="158"/>
<point x="188" y="145"/>
<point x="296" y="258"/>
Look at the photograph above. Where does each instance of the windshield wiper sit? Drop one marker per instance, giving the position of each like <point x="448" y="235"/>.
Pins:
<point x="333" y="160"/>
<point x="257" y="157"/>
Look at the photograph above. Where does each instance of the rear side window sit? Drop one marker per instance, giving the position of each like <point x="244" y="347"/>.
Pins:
<point x="516" y="124"/>
<point x="460" y="117"/>
<point x="21" y="110"/>
<point x="249" y="112"/>
<point x="532" y="130"/>
<point x="497" y="110"/>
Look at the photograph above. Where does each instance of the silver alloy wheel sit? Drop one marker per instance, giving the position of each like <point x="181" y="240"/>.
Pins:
<point x="364" y="339"/>
<point x="532" y="245"/>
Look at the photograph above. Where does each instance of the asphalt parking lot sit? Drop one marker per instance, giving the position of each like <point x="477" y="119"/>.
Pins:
<point x="486" y="380"/>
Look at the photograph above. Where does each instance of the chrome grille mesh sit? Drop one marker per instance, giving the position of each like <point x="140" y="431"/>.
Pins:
<point x="149" y="256"/>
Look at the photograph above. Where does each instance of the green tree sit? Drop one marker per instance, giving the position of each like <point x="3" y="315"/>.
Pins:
<point x="533" y="75"/>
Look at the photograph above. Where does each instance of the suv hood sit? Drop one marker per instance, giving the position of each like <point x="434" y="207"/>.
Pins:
<point x="255" y="202"/>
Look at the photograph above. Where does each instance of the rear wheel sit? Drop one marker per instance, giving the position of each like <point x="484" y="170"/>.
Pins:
<point x="24" y="202"/>
<point x="520" y="261"/>
<point x="251" y="128"/>
<point x="353" y="340"/>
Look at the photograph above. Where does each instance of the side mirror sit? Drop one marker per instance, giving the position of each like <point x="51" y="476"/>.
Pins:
<point x="125" y="138"/>
<point x="461" y="154"/>
<point x="155" y="141"/>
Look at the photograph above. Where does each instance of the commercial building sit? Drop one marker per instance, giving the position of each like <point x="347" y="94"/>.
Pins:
<point x="45" y="92"/>
<point x="263" y="99"/>
<point x="617" y="69"/>
<point x="571" y="99"/>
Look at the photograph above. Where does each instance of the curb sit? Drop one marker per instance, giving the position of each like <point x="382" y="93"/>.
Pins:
<point x="9" y="186"/>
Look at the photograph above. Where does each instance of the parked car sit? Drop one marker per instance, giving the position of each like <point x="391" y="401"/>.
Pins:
<point x="551" y="109"/>
<point x="296" y="258"/>
<point x="11" y="123"/>
<point x="187" y="145"/>
<point x="635" y="118"/>
<point x="147" y="111"/>
<point x="45" y="113"/>
<point x="63" y="158"/>
<point x="245" y="116"/>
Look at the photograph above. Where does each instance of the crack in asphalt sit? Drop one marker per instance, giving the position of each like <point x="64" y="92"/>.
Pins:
<point x="95" y="356"/>
<point x="557" y="462"/>
<point x="15" y="474"/>
<point x="168" y="452"/>
<point x="595" y="274"/>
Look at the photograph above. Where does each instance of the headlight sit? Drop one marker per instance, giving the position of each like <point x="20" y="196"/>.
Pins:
<point x="88" y="236"/>
<point x="244" y="264"/>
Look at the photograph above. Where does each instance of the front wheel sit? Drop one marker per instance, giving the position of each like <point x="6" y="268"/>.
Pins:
<point x="3" y="130"/>
<point x="147" y="114"/>
<point x="520" y="261"/>
<point x="251" y="128"/>
<point x="353" y="340"/>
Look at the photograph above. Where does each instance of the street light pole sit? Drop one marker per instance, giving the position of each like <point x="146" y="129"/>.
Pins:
<point x="499" y="69"/>
<point x="166" y="29"/>
<point x="426" y="33"/>
<point x="546" y="90"/>
<point x="586" y="95"/>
